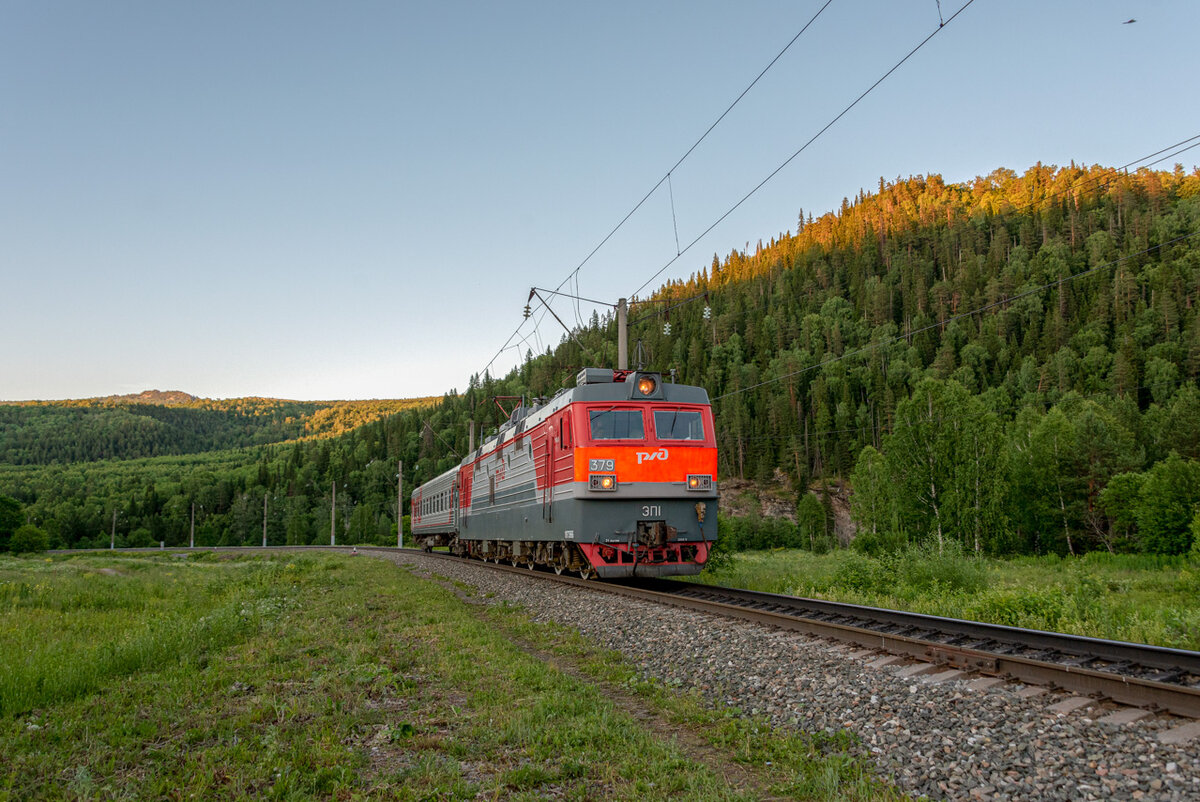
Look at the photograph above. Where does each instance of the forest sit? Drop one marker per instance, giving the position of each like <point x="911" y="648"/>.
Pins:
<point x="1008" y="364"/>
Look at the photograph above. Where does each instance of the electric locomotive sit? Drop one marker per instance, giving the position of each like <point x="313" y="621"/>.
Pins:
<point x="615" y="477"/>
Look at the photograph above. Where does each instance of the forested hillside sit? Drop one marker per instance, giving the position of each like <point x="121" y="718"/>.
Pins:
<point x="1009" y="363"/>
<point x="156" y="424"/>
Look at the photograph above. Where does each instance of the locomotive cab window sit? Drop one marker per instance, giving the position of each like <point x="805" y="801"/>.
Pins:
<point x="617" y="424"/>
<point x="678" y="424"/>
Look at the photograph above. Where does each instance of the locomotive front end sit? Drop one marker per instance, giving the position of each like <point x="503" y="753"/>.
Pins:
<point x="646" y="471"/>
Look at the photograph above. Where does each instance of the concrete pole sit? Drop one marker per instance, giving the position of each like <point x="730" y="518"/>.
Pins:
<point x="333" y="515"/>
<point x="400" y="505"/>
<point x="264" y="520"/>
<point x="622" y="335"/>
<point x="192" y="538"/>
<point x="112" y="539"/>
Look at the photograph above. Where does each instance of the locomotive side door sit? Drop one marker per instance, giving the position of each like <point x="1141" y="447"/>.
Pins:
<point x="544" y="455"/>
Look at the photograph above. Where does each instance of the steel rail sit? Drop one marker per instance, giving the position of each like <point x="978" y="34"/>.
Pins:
<point x="1159" y="682"/>
<point x="962" y="632"/>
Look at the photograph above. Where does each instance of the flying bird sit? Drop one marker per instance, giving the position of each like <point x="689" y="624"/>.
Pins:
<point x="1128" y="21"/>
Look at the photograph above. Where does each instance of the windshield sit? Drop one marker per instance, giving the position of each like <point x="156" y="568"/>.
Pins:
<point x="617" y="424"/>
<point x="678" y="424"/>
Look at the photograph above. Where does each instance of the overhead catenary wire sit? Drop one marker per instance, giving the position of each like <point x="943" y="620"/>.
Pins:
<point x="1163" y="154"/>
<point x="804" y="147"/>
<point x="571" y="334"/>
<point x="674" y="221"/>
<point x="666" y="177"/>
<point x="439" y="437"/>
<point x="1097" y="182"/>
<point x="675" y="305"/>
<point x="575" y="272"/>
<point x="578" y="316"/>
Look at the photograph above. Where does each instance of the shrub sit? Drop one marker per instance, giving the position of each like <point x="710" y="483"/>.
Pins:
<point x="1037" y="608"/>
<point x="1194" y="529"/>
<point x="753" y="533"/>
<point x="879" y="543"/>
<point x="141" y="539"/>
<point x="859" y="572"/>
<point x="924" y="566"/>
<point x="29" y="539"/>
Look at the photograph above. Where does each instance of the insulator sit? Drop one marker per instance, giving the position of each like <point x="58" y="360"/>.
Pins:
<point x="708" y="313"/>
<point x="667" y="328"/>
<point x="527" y="312"/>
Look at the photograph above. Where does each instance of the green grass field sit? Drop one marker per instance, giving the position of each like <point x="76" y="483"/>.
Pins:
<point x="322" y="676"/>
<point x="1139" y="598"/>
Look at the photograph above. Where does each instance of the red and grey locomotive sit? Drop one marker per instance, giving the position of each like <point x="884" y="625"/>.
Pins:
<point x="616" y="477"/>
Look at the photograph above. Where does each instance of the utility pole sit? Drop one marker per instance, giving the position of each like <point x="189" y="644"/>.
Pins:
<point x="112" y="539"/>
<point x="622" y="335"/>
<point x="192" y="538"/>
<point x="400" y="505"/>
<point x="264" y="520"/>
<point x="333" y="515"/>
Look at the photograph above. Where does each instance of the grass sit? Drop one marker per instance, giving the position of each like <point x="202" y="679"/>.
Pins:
<point x="72" y="625"/>
<point x="1137" y="598"/>
<point x="327" y="676"/>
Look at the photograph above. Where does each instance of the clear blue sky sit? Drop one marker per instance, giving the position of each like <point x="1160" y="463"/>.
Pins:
<point x="351" y="200"/>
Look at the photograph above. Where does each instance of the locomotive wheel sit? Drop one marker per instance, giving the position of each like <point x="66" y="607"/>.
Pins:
<point x="586" y="573"/>
<point x="558" y="569"/>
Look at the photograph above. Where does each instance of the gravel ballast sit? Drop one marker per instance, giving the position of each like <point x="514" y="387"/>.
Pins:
<point x="938" y="739"/>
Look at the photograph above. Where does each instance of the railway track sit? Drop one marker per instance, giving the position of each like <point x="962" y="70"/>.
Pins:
<point x="1138" y="675"/>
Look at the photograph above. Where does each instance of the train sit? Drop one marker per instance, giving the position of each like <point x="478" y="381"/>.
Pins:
<point x="613" y="478"/>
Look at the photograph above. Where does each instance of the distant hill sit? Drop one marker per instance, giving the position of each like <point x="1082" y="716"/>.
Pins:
<point x="163" y="397"/>
<point x="155" y="423"/>
<point x="160" y="397"/>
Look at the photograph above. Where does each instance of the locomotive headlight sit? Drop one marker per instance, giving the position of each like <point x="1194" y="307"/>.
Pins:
<point x="698" y="481"/>
<point x="646" y="385"/>
<point x="602" y="481"/>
